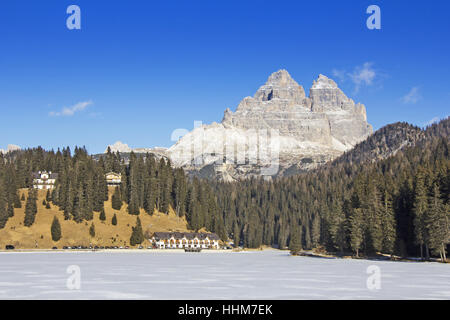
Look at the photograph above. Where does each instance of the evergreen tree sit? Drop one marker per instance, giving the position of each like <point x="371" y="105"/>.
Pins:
<point x="114" y="220"/>
<point x="17" y="203"/>
<point x="315" y="231"/>
<point x="373" y="212"/>
<point x="438" y="224"/>
<point x="151" y="196"/>
<point x="55" y="229"/>
<point x="3" y="207"/>
<point x="102" y="215"/>
<point x="92" y="230"/>
<point x="116" y="199"/>
<point x="388" y="225"/>
<point x="356" y="230"/>
<point x="295" y="241"/>
<point x="338" y="227"/>
<point x="30" y="208"/>
<point x="137" y="236"/>
<point x="420" y="210"/>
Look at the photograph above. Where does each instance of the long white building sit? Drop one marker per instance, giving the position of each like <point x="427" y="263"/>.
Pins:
<point x="182" y="240"/>
<point x="44" y="180"/>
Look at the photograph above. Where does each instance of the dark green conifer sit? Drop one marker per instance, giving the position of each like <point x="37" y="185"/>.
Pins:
<point x="137" y="235"/>
<point x="55" y="229"/>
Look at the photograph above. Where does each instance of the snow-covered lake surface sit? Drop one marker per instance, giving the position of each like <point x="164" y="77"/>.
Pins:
<point x="214" y="275"/>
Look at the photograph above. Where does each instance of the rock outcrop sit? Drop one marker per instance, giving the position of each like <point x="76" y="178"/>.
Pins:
<point x="278" y="128"/>
<point x="11" y="148"/>
<point x="119" y="147"/>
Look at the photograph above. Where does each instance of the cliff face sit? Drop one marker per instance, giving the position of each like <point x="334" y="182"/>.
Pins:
<point x="278" y="128"/>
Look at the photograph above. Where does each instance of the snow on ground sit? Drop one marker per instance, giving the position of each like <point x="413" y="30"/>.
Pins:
<point x="214" y="275"/>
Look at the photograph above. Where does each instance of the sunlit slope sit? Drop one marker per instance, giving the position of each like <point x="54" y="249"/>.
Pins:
<point x="106" y="234"/>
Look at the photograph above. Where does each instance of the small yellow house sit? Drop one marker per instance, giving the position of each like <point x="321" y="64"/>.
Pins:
<point x="113" y="179"/>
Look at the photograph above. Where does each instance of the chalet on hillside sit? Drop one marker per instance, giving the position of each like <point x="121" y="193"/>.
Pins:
<point x="184" y="240"/>
<point x="113" y="179"/>
<point x="44" y="180"/>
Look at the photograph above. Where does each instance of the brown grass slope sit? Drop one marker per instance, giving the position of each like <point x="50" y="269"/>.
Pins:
<point x="38" y="236"/>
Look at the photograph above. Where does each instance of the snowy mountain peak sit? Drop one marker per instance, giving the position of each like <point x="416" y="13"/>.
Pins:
<point x="323" y="82"/>
<point x="11" y="148"/>
<point x="280" y="85"/>
<point x="307" y="130"/>
<point x="281" y="78"/>
<point x="119" y="146"/>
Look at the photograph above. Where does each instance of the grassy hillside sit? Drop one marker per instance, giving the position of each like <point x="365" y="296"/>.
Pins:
<point x="39" y="236"/>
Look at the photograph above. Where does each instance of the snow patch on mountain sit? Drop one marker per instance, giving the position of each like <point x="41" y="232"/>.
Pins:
<point x="280" y="122"/>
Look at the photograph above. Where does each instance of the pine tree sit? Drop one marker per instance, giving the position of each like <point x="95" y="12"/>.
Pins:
<point x="373" y="214"/>
<point x="236" y="235"/>
<point x="116" y="199"/>
<point x="388" y="225"/>
<point x="102" y="215"/>
<point x="134" y="185"/>
<point x="295" y="245"/>
<point x="420" y="210"/>
<point x="338" y="226"/>
<point x="30" y="208"/>
<point x="438" y="224"/>
<point x="356" y="230"/>
<point x="3" y="206"/>
<point x="150" y="196"/>
<point x="92" y="230"/>
<point x="55" y="229"/>
<point x="137" y="236"/>
<point x="114" y="220"/>
<point x="17" y="202"/>
<point x="315" y="231"/>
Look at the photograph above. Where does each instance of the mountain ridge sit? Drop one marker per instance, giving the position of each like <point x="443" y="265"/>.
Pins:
<point x="291" y="126"/>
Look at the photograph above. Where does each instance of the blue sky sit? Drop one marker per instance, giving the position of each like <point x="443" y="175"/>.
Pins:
<point x="137" y="70"/>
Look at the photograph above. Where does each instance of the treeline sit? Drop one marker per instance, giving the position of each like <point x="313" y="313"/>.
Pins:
<point x="149" y="184"/>
<point x="9" y="197"/>
<point x="360" y="203"/>
<point x="399" y="205"/>
<point x="81" y="189"/>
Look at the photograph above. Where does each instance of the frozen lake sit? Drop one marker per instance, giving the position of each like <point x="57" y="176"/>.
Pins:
<point x="214" y="275"/>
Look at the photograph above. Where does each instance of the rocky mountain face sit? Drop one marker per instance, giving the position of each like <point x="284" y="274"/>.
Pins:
<point x="125" y="150"/>
<point x="11" y="148"/>
<point x="120" y="147"/>
<point x="384" y="143"/>
<point x="392" y="139"/>
<point x="278" y="131"/>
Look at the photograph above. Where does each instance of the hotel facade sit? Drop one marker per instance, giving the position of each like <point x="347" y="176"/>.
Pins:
<point x="44" y="180"/>
<point x="182" y="240"/>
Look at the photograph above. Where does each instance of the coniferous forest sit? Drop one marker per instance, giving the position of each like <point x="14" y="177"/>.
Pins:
<point x="398" y="205"/>
<point x="374" y="199"/>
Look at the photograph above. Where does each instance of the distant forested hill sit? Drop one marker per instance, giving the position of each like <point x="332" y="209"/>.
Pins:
<point x="148" y="184"/>
<point x="390" y="139"/>
<point x="384" y="143"/>
<point x="390" y="194"/>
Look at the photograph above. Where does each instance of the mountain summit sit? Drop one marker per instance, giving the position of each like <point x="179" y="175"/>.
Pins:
<point x="306" y="131"/>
